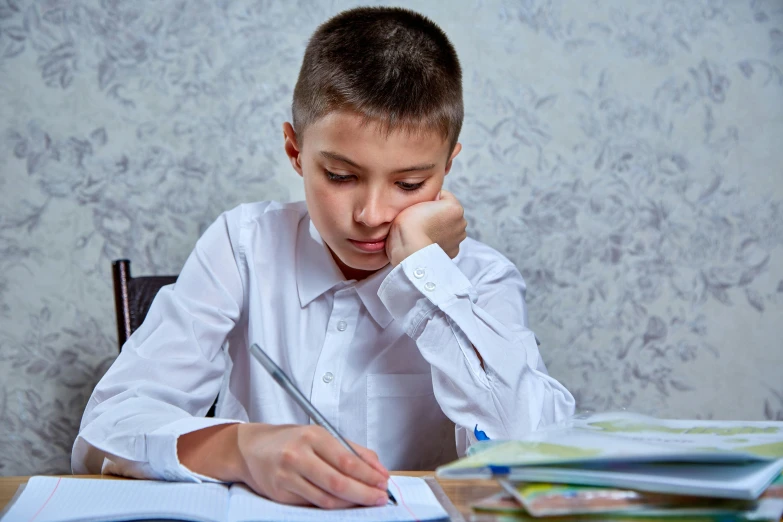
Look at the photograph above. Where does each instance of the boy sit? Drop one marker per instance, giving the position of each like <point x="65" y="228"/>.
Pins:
<point x="368" y="295"/>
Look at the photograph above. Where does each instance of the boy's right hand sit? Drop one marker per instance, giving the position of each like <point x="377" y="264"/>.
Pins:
<point x="292" y="464"/>
<point x="306" y="465"/>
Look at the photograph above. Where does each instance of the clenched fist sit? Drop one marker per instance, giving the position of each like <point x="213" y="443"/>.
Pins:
<point x="441" y="221"/>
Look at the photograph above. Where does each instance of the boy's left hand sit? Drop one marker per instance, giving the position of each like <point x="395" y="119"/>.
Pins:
<point x="441" y="221"/>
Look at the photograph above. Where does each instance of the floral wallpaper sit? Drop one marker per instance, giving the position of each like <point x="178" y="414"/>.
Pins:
<point x="626" y="155"/>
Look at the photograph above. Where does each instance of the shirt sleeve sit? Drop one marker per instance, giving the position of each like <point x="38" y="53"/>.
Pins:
<point x="169" y="371"/>
<point x="447" y="315"/>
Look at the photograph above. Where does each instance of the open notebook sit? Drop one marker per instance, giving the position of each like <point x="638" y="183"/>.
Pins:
<point x="53" y="499"/>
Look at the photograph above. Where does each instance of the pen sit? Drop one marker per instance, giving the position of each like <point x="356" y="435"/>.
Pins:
<point x="283" y="380"/>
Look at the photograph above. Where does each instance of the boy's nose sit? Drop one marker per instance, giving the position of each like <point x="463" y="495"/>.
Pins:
<point x="372" y="211"/>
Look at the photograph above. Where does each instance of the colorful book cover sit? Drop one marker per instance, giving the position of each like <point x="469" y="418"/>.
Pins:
<point x="554" y="501"/>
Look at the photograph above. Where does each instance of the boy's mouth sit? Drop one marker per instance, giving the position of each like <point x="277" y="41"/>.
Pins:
<point x="374" y="245"/>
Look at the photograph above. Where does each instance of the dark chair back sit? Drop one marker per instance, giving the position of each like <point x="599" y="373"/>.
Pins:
<point x="132" y="299"/>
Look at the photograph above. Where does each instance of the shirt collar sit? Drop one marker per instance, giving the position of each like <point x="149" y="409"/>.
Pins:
<point x="368" y="293"/>
<point x="317" y="273"/>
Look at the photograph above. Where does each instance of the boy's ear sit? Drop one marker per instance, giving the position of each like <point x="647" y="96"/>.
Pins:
<point x="457" y="148"/>
<point x="292" y="147"/>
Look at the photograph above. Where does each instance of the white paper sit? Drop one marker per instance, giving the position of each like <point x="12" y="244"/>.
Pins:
<point x="415" y="501"/>
<point x="53" y="499"/>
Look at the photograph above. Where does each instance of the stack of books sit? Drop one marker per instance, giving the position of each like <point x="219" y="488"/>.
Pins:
<point x="629" y="466"/>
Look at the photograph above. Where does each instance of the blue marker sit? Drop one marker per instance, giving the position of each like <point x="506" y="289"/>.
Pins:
<point x="480" y="435"/>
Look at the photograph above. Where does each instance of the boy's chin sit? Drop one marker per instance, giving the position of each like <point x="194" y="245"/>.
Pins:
<point x="365" y="262"/>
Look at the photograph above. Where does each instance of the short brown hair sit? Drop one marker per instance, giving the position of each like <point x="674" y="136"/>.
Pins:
<point x="391" y="65"/>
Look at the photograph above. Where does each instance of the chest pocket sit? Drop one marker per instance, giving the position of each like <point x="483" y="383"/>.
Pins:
<point x="405" y="424"/>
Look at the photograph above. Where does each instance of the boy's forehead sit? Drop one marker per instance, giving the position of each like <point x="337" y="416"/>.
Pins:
<point x="348" y="132"/>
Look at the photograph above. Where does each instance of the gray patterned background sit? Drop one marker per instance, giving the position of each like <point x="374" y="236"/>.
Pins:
<point x="627" y="155"/>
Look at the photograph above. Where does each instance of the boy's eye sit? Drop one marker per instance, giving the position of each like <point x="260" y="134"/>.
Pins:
<point x="404" y="185"/>
<point x="336" y="177"/>
<point x="409" y="187"/>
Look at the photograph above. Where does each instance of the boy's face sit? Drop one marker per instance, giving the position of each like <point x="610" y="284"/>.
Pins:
<point x="358" y="178"/>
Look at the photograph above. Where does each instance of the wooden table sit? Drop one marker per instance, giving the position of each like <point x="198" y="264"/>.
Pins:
<point x="461" y="492"/>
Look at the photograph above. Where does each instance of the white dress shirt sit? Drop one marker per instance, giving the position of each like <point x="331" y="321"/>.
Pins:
<point x="387" y="360"/>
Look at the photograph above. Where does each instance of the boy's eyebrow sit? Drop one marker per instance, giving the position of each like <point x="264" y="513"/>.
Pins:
<point x="339" y="157"/>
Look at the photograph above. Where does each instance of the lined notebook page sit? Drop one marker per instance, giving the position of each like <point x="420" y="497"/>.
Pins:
<point x="415" y="502"/>
<point x="53" y="499"/>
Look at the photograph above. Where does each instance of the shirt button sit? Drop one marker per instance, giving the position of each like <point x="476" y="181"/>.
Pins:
<point x="328" y="377"/>
<point x="419" y="273"/>
<point x="342" y="325"/>
<point x="429" y="286"/>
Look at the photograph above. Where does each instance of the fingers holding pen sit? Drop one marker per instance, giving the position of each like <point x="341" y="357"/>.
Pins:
<point x="307" y="465"/>
<point x="300" y="491"/>
<point x="345" y="488"/>
<point x="348" y="476"/>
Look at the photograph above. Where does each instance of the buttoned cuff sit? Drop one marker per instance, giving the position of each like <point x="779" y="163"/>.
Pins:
<point x="162" y="448"/>
<point x="423" y="282"/>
